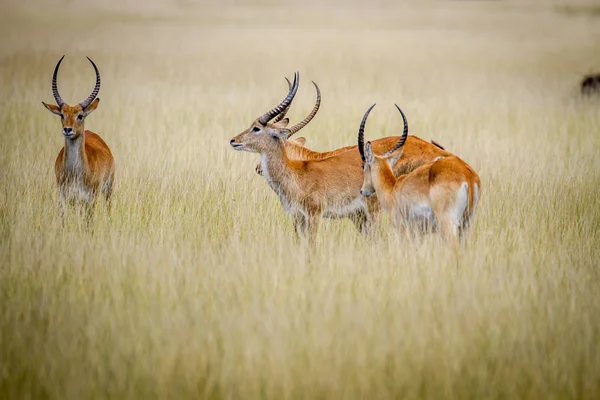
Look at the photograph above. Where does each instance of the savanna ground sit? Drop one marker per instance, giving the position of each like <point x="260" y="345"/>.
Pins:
<point x="195" y="287"/>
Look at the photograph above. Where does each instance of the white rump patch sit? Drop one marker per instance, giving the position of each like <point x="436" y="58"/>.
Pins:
<point x="475" y="200"/>
<point x="461" y="204"/>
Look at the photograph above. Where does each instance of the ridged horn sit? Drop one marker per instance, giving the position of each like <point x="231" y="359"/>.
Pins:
<point x="286" y="102"/>
<point x="310" y="116"/>
<point x="84" y="104"/>
<point x="402" y="138"/>
<point x="361" y="134"/>
<point x="284" y="112"/>
<point x="59" y="100"/>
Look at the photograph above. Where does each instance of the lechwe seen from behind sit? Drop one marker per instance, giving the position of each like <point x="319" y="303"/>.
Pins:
<point x="440" y="195"/>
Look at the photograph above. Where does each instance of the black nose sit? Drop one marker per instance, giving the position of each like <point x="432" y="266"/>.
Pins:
<point x="232" y="141"/>
<point x="68" y="130"/>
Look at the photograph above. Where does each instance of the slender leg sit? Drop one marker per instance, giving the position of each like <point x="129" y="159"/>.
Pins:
<point x="366" y="220"/>
<point x="450" y="233"/>
<point x="108" y="197"/>
<point x="462" y="233"/>
<point x="108" y="204"/>
<point x="373" y="215"/>
<point x="299" y="225"/>
<point x="372" y="223"/>
<point x="360" y="220"/>
<point x="89" y="213"/>
<point x="62" y="206"/>
<point x="313" y="228"/>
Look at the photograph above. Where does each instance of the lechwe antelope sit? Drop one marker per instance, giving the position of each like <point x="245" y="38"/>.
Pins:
<point x="439" y="195"/>
<point x="85" y="166"/>
<point x="307" y="189"/>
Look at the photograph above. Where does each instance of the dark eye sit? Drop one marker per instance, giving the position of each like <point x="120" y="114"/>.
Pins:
<point x="255" y="129"/>
<point x="80" y="117"/>
<point x="62" y="116"/>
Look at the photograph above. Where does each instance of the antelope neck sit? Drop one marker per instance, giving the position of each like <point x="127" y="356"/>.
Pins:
<point x="275" y="166"/>
<point x="384" y="182"/>
<point x="75" y="159"/>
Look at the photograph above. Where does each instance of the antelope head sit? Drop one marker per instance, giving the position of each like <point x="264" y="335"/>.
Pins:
<point x="373" y="164"/>
<point x="73" y="117"/>
<point x="264" y="134"/>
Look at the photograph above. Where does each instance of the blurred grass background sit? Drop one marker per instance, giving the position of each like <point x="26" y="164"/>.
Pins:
<point x="195" y="287"/>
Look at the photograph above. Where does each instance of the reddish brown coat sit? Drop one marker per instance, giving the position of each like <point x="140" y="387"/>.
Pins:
<point x="99" y="163"/>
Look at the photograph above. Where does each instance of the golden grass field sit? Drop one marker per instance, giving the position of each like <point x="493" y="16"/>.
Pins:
<point x="195" y="287"/>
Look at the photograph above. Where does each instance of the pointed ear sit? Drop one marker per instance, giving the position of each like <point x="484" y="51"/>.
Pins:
<point x="369" y="157"/>
<point x="52" y="108"/>
<point x="282" y="133"/>
<point x="93" y="105"/>
<point x="300" y="141"/>
<point x="281" y="124"/>
<point x="395" y="156"/>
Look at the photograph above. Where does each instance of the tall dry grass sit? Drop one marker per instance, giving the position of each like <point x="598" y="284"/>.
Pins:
<point x="195" y="287"/>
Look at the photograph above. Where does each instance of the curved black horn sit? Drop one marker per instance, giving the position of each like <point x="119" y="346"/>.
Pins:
<point x="84" y="104"/>
<point x="57" y="97"/>
<point x="310" y="116"/>
<point x="402" y="138"/>
<point x="361" y="134"/>
<point x="286" y="102"/>
<point x="284" y="112"/>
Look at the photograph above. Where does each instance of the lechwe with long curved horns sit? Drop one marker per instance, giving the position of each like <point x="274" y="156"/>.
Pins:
<point x="85" y="166"/>
<point x="308" y="189"/>
<point x="439" y="195"/>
